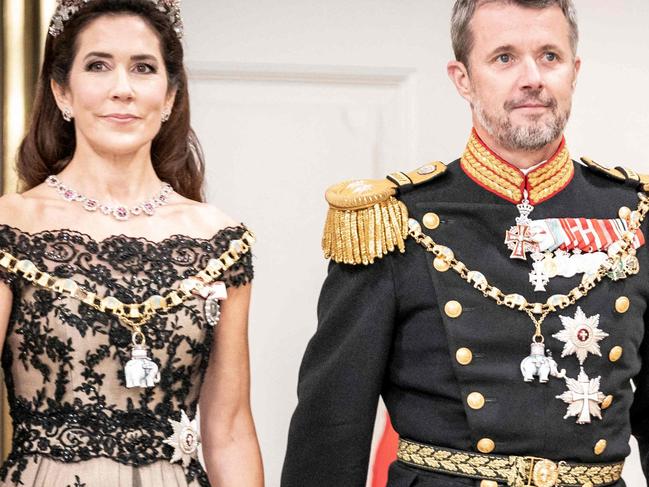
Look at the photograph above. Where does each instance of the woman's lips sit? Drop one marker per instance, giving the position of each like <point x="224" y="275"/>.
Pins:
<point x="120" y="118"/>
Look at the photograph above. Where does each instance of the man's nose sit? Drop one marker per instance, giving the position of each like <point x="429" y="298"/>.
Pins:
<point x="531" y="76"/>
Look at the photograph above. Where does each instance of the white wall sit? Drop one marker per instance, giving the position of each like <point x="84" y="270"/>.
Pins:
<point x="275" y="82"/>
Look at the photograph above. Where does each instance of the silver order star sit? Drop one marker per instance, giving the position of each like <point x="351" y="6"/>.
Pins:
<point x="185" y="440"/>
<point x="581" y="335"/>
<point x="583" y="397"/>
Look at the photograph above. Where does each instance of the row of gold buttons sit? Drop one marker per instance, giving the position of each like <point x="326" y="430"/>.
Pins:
<point x="464" y="356"/>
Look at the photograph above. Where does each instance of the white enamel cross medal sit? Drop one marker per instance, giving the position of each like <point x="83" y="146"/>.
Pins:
<point x="519" y="238"/>
<point x="583" y="397"/>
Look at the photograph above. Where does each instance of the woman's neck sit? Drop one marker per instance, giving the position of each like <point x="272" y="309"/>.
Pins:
<point x="125" y="180"/>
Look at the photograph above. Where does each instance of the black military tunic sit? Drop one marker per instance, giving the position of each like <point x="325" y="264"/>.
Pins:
<point x="450" y="374"/>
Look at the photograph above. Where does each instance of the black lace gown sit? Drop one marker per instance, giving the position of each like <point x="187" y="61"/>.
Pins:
<point x="75" y="421"/>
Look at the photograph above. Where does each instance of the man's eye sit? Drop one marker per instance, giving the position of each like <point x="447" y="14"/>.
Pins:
<point x="550" y="56"/>
<point x="504" y="58"/>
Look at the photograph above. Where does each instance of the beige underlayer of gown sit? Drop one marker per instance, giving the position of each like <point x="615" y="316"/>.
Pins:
<point x="100" y="472"/>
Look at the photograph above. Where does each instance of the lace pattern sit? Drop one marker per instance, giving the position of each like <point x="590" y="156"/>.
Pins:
<point x="64" y="361"/>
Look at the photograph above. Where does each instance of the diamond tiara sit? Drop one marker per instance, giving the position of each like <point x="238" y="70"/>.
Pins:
<point x="66" y="9"/>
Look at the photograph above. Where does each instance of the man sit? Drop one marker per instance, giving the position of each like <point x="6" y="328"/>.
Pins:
<point x="496" y="304"/>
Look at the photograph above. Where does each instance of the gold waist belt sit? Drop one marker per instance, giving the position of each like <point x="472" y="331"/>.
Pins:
<point x="513" y="471"/>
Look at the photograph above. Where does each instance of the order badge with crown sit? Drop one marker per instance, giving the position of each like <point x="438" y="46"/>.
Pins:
<point x="519" y="238"/>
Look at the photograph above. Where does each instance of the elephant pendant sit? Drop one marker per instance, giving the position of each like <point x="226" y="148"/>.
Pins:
<point x="540" y="364"/>
<point x="141" y="371"/>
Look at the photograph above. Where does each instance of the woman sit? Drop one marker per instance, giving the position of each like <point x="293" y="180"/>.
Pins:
<point x="113" y="270"/>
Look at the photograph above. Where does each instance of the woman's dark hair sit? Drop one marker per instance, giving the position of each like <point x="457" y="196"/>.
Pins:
<point x="50" y="141"/>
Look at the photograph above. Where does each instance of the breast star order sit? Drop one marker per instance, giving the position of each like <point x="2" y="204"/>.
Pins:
<point x="185" y="439"/>
<point x="581" y="335"/>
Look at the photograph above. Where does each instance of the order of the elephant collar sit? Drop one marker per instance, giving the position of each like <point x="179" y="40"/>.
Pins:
<point x="500" y="177"/>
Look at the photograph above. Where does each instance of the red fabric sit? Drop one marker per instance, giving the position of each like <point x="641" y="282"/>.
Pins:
<point x="386" y="453"/>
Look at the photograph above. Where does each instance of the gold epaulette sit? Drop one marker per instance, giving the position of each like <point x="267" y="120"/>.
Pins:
<point x="622" y="174"/>
<point x="365" y="220"/>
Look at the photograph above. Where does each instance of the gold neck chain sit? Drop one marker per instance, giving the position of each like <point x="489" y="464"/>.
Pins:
<point x="134" y="315"/>
<point x="445" y="259"/>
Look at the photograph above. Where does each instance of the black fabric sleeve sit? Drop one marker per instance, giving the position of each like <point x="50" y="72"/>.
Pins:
<point x="242" y="271"/>
<point x="341" y="378"/>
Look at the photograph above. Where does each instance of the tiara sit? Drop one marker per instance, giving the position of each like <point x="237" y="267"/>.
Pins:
<point x="66" y="9"/>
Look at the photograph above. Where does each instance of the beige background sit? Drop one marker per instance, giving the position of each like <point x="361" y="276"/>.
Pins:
<point x="290" y="96"/>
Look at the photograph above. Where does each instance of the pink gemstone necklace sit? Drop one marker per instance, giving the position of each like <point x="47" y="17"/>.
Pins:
<point x="119" y="212"/>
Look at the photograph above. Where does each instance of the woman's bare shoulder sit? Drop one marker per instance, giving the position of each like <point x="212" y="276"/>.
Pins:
<point x="21" y="210"/>
<point x="206" y="216"/>
<point x="13" y="209"/>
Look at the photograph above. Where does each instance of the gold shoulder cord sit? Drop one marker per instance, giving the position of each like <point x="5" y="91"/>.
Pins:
<point x="134" y="315"/>
<point x="614" y="266"/>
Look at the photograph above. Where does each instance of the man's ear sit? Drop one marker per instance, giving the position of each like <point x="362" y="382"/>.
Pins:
<point x="577" y="68"/>
<point x="459" y="75"/>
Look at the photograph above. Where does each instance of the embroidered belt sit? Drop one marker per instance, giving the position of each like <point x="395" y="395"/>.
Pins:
<point x="513" y="471"/>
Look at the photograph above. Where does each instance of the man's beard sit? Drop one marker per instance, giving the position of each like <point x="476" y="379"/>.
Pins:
<point x="530" y="136"/>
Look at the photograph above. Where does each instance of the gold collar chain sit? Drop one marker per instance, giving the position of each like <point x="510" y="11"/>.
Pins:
<point x="445" y="259"/>
<point x="133" y="315"/>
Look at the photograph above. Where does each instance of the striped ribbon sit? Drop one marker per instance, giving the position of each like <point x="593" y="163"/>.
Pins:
<point x="585" y="234"/>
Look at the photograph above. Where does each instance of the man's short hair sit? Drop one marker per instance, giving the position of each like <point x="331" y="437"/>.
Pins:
<point x="464" y="10"/>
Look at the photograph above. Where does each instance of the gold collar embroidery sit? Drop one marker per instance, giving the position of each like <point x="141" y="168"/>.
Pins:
<point x="507" y="181"/>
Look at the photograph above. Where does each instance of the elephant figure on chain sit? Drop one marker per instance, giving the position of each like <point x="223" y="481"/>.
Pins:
<point x="141" y="371"/>
<point x="540" y="364"/>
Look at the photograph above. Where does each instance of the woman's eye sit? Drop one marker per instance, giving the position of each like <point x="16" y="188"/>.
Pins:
<point x="144" y="69"/>
<point x="96" y="66"/>
<point x="504" y="58"/>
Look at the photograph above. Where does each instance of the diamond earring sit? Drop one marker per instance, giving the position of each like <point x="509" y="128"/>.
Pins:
<point x="67" y="114"/>
<point x="166" y="114"/>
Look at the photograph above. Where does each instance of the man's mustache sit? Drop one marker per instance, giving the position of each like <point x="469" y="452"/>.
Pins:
<point x="531" y="99"/>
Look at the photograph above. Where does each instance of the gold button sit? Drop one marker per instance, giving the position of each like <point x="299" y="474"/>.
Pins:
<point x="622" y="304"/>
<point x="431" y="221"/>
<point x="615" y="354"/>
<point x="488" y="483"/>
<point x="475" y="400"/>
<point x="464" y="356"/>
<point x="600" y="446"/>
<point x="440" y="265"/>
<point x="486" y="445"/>
<point x="453" y="309"/>
<point x="606" y="403"/>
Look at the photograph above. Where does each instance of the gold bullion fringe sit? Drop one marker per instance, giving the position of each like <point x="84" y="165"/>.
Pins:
<point x="361" y="235"/>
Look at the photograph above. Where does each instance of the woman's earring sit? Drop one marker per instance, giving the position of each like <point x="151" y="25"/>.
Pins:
<point x="67" y="114"/>
<point x="166" y="114"/>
